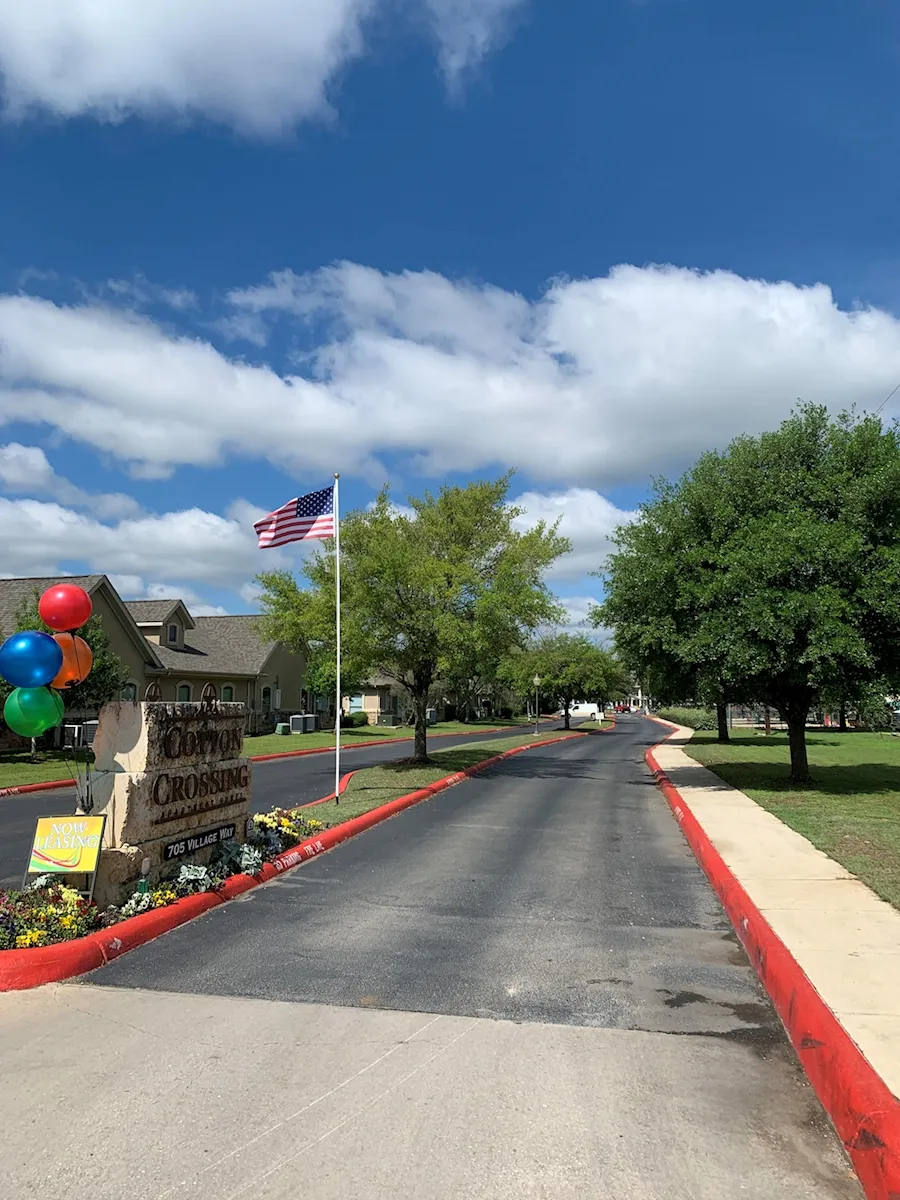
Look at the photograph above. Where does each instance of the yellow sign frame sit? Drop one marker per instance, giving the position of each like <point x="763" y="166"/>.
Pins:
<point x="66" y="845"/>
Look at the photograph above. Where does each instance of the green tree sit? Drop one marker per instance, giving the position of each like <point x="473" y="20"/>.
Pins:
<point x="423" y="593"/>
<point x="295" y="616"/>
<point x="769" y="572"/>
<point x="571" y="667"/>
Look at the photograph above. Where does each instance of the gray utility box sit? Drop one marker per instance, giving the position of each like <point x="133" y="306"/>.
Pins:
<point x="303" y="723"/>
<point x="386" y="718"/>
<point x="431" y="716"/>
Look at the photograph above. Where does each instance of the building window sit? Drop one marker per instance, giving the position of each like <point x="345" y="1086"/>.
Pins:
<point x="266" y="699"/>
<point x="129" y="691"/>
<point x="228" y="692"/>
<point x="184" y="691"/>
<point x="356" y="703"/>
<point x="173" y="633"/>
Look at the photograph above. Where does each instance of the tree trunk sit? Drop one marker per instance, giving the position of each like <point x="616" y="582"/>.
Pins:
<point x="843" y="718"/>
<point x="566" y="715"/>
<point x="420" y="753"/>
<point x="722" y="722"/>
<point x="768" y="721"/>
<point x="794" y="717"/>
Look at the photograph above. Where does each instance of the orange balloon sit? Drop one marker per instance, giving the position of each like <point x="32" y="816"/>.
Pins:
<point x="77" y="661"/>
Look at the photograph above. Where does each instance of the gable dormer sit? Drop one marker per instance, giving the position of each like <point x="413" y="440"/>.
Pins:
<point x="163" y="622"/>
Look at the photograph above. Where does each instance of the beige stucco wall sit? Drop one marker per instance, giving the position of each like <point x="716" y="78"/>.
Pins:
<point x="120" y="641"/>
<point x="284" y="671"/>
<point x="374" y="701"/>
<point x="243" y="688"/>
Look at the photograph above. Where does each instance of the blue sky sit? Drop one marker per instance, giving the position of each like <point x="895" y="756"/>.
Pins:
<point x="251" y="242"/>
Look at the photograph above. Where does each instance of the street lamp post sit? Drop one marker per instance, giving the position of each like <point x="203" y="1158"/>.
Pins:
<point x="537" y="683"/>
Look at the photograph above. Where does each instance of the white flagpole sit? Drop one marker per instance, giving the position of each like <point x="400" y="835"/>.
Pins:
<point x="337" y="622"/>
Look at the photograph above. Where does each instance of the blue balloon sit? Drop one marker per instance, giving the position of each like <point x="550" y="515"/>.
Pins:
<point x="31" y="659"/>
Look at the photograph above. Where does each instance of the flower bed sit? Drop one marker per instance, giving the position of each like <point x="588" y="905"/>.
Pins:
<point x="49" y="911"/>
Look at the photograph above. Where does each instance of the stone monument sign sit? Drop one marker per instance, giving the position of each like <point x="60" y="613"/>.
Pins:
<point x="173" y="782"/>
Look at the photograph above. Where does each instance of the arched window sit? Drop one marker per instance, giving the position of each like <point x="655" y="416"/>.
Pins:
<point x="228" y="691"/>
<point x="266" y="699"/>
<point x="184" y="691"/>
<point x="129" y="691"/>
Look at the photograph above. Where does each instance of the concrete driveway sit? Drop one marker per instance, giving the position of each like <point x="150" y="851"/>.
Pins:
<point x="521" y="988"/>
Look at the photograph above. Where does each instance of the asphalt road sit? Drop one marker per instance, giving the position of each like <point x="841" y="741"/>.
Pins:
<point x="523" y="987"/>
<point x="287" y="782"/>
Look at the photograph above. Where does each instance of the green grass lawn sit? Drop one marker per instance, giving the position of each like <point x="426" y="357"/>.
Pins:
<point x="378" y="785"/>
<point x="17" y="768"/>
<point x="851" y="811"/>
<point x="276" y="743"/>
<point x="593" y="726"/>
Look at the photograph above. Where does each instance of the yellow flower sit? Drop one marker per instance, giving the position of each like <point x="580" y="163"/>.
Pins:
<point x="68" y="921"/>
<point x="31" y="937"/>
<point x="70" y="895"/>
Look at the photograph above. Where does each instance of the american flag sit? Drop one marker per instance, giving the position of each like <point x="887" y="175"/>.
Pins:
<point x="309" y="516"/>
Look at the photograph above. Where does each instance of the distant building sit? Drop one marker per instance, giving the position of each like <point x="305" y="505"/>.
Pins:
<point x="159" y="641"/>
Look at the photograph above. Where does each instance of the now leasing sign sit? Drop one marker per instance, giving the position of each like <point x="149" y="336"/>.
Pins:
<point x="66" y="845"/>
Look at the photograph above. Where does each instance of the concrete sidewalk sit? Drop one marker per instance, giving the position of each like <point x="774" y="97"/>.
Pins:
<point x="845" y="939"/>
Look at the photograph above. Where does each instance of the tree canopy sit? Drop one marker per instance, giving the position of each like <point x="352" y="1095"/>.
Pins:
<point x="570" y="666"/>
<point x="440" y="592"/>
<point x="769" y="572"/>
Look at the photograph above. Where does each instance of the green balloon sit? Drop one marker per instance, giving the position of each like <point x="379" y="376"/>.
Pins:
<point x="32" y="711"/>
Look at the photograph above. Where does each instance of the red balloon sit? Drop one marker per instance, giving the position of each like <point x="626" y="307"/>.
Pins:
<point x="65" y="607"/>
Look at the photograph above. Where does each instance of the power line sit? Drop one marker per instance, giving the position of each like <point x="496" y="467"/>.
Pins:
<point x="885" y="400"/>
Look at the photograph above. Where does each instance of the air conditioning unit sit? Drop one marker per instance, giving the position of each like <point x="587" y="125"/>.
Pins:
<point x="75" y="736"/>
<point x="303" y="723"/>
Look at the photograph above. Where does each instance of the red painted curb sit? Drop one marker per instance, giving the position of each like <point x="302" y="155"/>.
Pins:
<point x="51" y="785"/>
<point x="21" y="969"/>
<point x="862" y="1109"/>
<point x="48" y="786"/>
<point x="342" y="787"/>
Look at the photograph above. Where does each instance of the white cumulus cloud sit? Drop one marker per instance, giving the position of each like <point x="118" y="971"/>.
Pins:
<point x="259" y="65"/>
<point x="188" y="550"/>
<point x="597" y="382"/>
<point x="585" y="517"/>
<point x="26" y="469"/>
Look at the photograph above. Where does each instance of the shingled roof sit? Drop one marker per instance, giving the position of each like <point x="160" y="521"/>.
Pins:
<point x="16" y="592"/>
<point x="150" y="612"/>
<point x="228" y="646"/>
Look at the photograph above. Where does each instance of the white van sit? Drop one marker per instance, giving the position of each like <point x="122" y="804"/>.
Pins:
<point x="586" y="708"/>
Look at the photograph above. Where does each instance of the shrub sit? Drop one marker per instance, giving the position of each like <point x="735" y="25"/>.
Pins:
<point x="354" y="720"/>
<point x="696" y="718"/>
